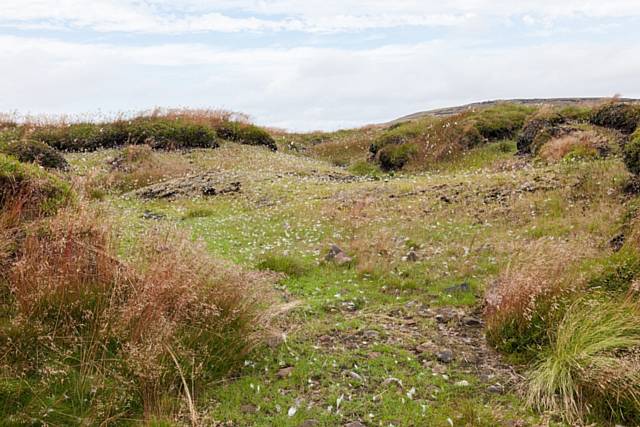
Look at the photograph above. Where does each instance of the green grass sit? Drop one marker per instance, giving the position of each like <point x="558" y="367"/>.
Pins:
<point x="583" y="374"/>
<point x="465" y="218"/>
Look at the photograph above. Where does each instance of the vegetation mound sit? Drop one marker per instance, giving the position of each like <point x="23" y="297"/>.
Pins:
<point x="547" y="123"/>
<point x="30" y="191"/>
<point x="430" y="140"/>
<point x="29" y="151"/>
<point x="632" y="154"/>
<point x="620" y="116"/>
<point x="156" y="132"/>
<point x="245" y="133"/>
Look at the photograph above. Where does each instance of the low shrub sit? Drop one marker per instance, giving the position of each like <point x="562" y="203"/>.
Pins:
<point x="394" y="157"/>
<point x="631" y="154"/>
<point x="616" y="272"/>
<point x="29" y="151"/>
<point x="592" y="369"/>
<point x="399" y="134"/>
<point x="615" y="115"/>
<point x="245" y="133"/>
<point x="364" y="168"/>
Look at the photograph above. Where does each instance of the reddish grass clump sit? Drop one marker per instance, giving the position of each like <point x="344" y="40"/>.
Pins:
<point x="169" y="313"/>
<point x="527" y="297"/>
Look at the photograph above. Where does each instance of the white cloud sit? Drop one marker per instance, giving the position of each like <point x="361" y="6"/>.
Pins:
<point x="303" y="88"/>
<point x="314" y="16"/>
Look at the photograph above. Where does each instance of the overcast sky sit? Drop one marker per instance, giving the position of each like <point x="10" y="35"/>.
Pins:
<point x="311" y="64"/>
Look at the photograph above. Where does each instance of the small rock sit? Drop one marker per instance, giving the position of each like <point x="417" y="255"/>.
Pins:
<point x="495" y="388"/>
<point x="371" y="334"/>
<point x="426" y="347"/>
<point x="310" y="423"/>
<point x="337" y="255"/>
<point x="444" y="316"/>
<point x="274" y="340"/>
<point x="355" y="424"/>
<point x="285" y="372"/>
<point x="463" y="383"/>
<point x="334" y="250"/>
<point x="471" y="321"/>
<point x="356" y="376"/>
<point x="152" y="215"/>
<point x="617" y="242"/>
<point x="342" y="259"/>
<point x="458" y="289"/>
<point x="412" y="256"/>
<point x="249" y="409"/>
<point x="445" y="356"/>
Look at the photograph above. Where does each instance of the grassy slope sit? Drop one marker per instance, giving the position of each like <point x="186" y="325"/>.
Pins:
<point x="467" y="220"/>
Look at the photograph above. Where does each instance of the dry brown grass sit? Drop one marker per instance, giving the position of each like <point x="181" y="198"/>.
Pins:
<point x="171" y="312"/>
<point x="530" y="292"/>
<point x="586" y="141"/>
<point x="138" y="166"/>
<point x="201" y="116"/>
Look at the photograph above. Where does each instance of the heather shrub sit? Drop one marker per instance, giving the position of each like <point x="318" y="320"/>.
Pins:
<point x="245" y="133"/>
<point x="29" y="151"/>
<point x="592" y="368"/>
<point x="619" y="116"/>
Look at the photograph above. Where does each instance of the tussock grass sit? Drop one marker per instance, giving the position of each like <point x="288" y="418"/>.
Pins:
<point x="528" y="297"/>
<point x="588" y="369"/>
<point x="168" y="314"/>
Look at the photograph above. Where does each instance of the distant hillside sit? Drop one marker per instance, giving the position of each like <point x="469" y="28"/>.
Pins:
<point x="450" y="111"/>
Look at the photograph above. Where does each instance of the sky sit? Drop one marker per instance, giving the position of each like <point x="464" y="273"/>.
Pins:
<point x="310" y="64"/>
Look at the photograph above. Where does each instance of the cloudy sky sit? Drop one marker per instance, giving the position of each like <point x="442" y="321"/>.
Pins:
<point x="311" y="64"/>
